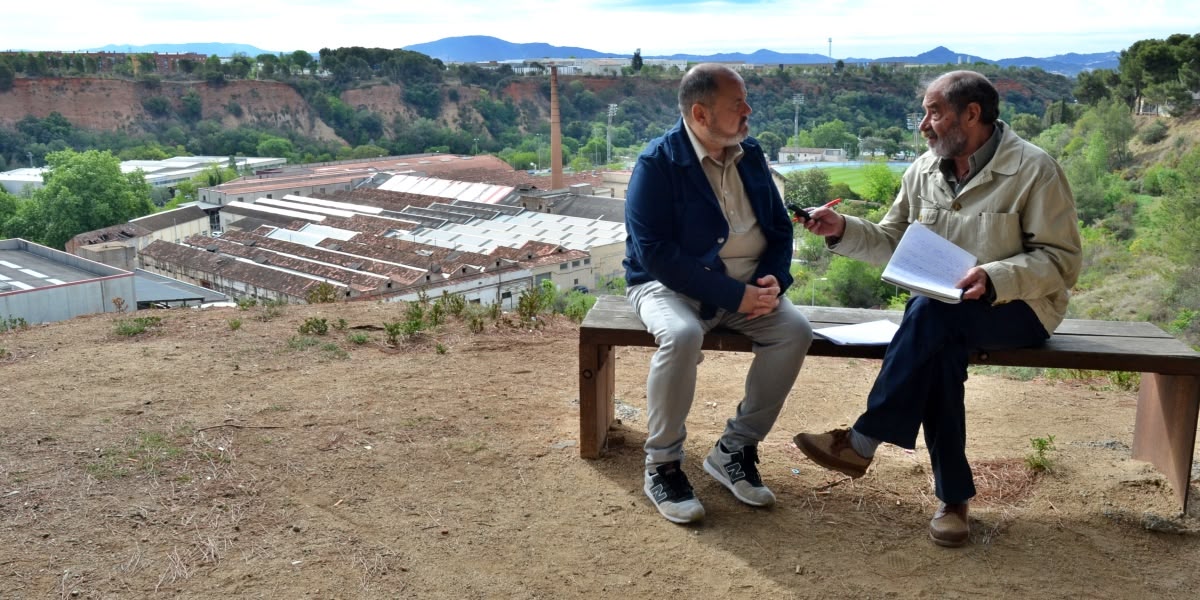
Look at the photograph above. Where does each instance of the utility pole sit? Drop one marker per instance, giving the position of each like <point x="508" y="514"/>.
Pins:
<point x="830" y="49"/>
<point x="612" y="112"/>
<point x="30" y="155"/>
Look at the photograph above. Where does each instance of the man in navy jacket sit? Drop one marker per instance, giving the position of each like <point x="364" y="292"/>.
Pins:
<point x="709" y="244"/>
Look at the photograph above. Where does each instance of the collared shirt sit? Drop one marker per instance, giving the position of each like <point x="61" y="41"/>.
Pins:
<point x="746" y="242"/>
<point x="977" y="161"/>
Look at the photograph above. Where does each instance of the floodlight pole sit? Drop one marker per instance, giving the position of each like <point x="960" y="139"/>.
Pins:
<point x="612" y="112"/>
<point x="797" y="100"/>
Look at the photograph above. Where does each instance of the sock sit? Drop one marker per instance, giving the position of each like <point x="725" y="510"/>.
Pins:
<point x="864" y="445"/>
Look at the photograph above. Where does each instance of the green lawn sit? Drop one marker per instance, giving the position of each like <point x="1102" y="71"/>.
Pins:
<point x="851" y="176"/>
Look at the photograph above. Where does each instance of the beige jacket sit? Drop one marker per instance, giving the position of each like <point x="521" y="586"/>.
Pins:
<point x="1017" y="216"/>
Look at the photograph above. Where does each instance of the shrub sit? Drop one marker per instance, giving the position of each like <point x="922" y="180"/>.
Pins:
<point x="1154" y="133"/>
<point x="393" y="331"/>
<point x="536" y="300"/>
<point x="577" y="305"/>
<point x="132" y="327"/>
<point x="1040" y="460"/>
<point x="322" y="293"/>
<point x="13" y="323"/>
<point x="453" y="303"/>
<point x="314" y="326"/>
<point x="303" y="342"/>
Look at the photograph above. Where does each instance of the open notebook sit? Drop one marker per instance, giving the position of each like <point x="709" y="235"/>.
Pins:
<point x="870" y="333"/>
<point x="928" y="264"/>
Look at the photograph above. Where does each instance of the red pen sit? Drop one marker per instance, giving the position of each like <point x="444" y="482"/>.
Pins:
<point x="832" y="203"/>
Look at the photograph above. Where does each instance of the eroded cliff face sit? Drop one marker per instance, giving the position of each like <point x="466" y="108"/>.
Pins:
<point x="113" y="104"/>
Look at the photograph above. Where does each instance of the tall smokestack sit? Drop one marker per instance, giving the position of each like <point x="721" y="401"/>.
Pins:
<point x="556" y="170"/>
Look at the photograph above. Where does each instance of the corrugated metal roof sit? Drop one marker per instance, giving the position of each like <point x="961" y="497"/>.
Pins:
<point x="283" y="212"/>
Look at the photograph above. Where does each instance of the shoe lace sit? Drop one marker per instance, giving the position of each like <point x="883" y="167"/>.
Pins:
<point x="675" y="482"/>
<point x="840" y="441"/>
<point x="748" y="461"/>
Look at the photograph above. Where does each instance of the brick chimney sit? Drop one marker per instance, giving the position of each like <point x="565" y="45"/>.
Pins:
<point x="556" y="169"/>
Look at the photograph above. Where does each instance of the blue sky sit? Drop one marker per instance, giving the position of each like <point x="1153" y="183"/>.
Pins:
<point x="859" y="28"/>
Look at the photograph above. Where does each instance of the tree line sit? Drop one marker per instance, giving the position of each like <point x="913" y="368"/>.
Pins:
<point x="1137" y="216"/>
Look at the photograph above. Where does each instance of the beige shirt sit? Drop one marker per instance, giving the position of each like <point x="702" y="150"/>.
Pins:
<point x="1017" y="216"/>
<point x="746" y="242"/>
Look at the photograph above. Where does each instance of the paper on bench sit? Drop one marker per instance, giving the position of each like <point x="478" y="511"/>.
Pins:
<point x="871" y="333"/>
<point x="928" y="264"/>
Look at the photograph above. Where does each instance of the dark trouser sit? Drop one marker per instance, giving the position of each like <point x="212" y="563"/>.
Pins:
<point x="921" y="381"/>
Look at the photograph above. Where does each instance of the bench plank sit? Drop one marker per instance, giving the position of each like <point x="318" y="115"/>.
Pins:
<point x="1077" y="344"/>
<point x="1168" y="401"/>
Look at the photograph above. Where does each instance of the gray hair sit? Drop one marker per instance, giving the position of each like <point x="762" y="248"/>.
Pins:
<point x="961" y="88"/>
<point x="700" y="85"/>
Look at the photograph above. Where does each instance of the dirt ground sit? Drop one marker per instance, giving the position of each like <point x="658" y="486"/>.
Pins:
<point x="197" y="460"/>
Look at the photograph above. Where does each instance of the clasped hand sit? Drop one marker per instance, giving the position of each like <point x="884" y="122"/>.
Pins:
<point x="760" y="298"/>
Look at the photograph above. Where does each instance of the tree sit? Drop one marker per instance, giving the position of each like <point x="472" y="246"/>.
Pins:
<point x="881" y="183"/>
<point x="191" y="107"/>
<point x="1027" y="126"/>
<point x="637" y="60"/>
<point x="809" y="187"/>
<point x="302" y="59"/>
<point x="1093" y="86"/>
<point x="856" y="284"/>
<point x="8" y="210"/>
<point x="275" y="146"/>
<point x="6" y="76"/>
<point x="771" y="143"/>
<point x="87" y="191"/>
<point x="833" y="134"/>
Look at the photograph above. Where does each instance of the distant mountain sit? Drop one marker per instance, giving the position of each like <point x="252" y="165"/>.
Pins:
<point x="1069" y="64"/>
<point x="481" y="48"/>
<point x="207" y="49"/>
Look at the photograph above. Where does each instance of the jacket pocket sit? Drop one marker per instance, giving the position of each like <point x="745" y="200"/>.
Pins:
<point x="929" y="215"/>
<point x="999" y="236"/>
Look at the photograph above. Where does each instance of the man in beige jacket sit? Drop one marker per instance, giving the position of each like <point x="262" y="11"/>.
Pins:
<point x="1008" y="203"/>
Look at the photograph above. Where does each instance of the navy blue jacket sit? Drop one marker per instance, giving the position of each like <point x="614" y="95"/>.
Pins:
<point x="676" y="227"/>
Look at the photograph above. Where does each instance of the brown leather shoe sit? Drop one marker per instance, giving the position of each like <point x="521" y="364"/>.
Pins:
<point x="833" y="451"/>
<point x="950" y="527"/>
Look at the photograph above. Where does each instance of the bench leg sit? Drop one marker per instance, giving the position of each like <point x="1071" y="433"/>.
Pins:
<point x="1165" y="430"/>
<point x="597" y="382"/>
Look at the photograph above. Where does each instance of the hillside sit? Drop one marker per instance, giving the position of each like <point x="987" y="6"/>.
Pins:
<point x="464" y="110"/>
<point x="116" y="104"/>
<point x="197" y="460"/>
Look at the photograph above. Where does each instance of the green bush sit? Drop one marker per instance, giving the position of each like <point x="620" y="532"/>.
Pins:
<point x="1040" y="460"/>
<point x="314" y="326"/>
<point x="134" y="326"/>
<point x="577" y="305"/>
<point x="1154" y="133"/>
<point x="13" y="323"/>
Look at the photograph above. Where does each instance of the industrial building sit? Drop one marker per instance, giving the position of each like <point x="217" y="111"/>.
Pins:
<point x="42" y="285"/>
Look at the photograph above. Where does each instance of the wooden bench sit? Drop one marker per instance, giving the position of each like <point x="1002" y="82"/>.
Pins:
<point x="1167" y="406"/>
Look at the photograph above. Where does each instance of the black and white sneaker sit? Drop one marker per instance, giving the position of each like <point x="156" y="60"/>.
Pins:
<point x="738" y="471"/>
<point x="669" y="490"/>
